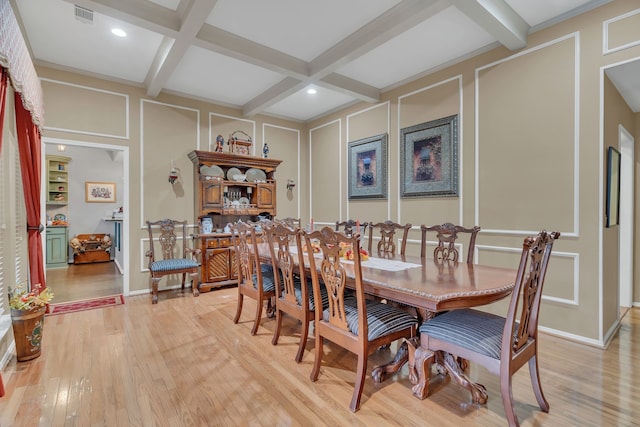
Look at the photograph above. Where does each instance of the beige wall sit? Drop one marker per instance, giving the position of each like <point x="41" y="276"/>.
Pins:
<point x="531" y="155"/>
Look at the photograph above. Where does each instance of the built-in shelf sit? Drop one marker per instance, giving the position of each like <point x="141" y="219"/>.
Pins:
<point x="57" y="180"/>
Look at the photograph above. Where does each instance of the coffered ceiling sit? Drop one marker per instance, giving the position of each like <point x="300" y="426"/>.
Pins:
<point x="263" y="55"/>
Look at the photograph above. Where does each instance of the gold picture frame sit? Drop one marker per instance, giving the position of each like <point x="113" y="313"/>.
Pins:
<point x="99" y="192"/>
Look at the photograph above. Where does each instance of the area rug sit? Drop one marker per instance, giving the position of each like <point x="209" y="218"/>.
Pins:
<point x="73" y="306"/>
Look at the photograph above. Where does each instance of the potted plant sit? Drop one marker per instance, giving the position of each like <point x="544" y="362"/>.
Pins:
<point x="27" y="318"/>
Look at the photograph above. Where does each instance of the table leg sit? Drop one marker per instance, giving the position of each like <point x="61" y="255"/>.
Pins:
<point x="271" y="308"/>
<point x="380" y="373"/>
<point x="478" y="391"/>
<point x="422" y="360"/>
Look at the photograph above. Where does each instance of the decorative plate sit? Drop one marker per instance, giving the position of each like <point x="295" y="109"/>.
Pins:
<point x="243" y="201"/>
<point x="213" y="170"/>
<point x="60" y="217"/>
<point x="233" y="172"/>
<point x="254" y="175"/>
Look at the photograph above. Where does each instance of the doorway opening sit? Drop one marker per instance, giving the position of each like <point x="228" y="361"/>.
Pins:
<point x="626" y="144"/>
<point x="90" y="163"/>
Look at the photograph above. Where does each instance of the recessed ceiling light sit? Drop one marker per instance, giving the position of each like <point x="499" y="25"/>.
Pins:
<point x="311" y="91"/>
<point x="119" y="32"/>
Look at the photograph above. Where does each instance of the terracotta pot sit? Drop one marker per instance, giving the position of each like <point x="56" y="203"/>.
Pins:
<point x="27" y="332"/>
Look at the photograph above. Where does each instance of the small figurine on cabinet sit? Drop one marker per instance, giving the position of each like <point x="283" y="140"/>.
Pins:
<point x="219" y="144"/>
<point x="265" y="150"/>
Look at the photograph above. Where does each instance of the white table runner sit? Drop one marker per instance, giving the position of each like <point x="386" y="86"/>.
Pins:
<point x="377" y="263"/>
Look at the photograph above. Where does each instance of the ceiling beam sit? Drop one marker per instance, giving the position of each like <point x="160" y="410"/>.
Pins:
<point x="276" y="93"/>
<point x="349" y="86"/>
<point x="498" y="19"/>
<point x="166" y="62"/>
<point x="231" y="45"/>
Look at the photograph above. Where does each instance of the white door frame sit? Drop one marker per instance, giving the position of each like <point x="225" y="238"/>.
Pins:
<point x="125" y="197"/>
<point x="625" y="266"/>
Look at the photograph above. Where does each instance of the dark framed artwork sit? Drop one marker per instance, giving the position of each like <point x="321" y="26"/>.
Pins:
<point x="368" y="168"/>
<point x="613" y="187"/>
<point x="429" y="159"/>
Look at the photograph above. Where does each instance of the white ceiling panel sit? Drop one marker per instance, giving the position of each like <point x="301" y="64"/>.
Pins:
<point x="169" y="4"/>
<point x="305" y="30"/>
<point x="440" y="39"/>
<point x="260" y="55"/>
<point x="303" y="106"/>
<point x="626" y="78"/>
<point x="539" y="11"/>
<point x="211" y="75"/>
<point x="57" y="37"/>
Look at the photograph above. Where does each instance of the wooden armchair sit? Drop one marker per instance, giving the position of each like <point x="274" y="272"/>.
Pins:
<point x="294" y="293"/>
<point x="350" y="226"/>
<point x="447" y="235"/>
<point x="174" y="260"/>
<point x="255" y="279"/>
<point x="352" y="322"/>
<point x="387" y="230"/>
<point x="502" y="345"/>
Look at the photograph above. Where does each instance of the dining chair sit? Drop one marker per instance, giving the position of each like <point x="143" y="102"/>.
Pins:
<point x="289" y="222"/>
<point x="255" y="279"/>
<point x="350" y="226"/>
<point x="500" y="344"/>
<point x="387" y="230"/>
<point x="294" y="292"/>
<point x="355" y="323"/>
<point x="176" y="258"/>
<point x="447" y="235"/>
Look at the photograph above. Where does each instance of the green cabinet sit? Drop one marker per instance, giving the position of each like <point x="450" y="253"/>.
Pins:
<point x="57" y="246"/>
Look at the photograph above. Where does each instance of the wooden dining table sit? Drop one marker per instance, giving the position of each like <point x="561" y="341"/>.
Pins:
<point x="430" y="286"/>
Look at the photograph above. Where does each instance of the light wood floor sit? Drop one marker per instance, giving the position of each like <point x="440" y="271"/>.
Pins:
<point x="84" y="281"/>
<point x="183" y="362"/>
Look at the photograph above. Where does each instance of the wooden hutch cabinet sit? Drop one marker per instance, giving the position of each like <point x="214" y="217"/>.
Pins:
<point x="229" y="187"/>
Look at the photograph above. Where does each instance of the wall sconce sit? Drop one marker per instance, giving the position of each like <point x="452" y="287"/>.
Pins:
<point x="62" y="147"/>
<point x="174" y="174"/>
<point x="290" y="184"/>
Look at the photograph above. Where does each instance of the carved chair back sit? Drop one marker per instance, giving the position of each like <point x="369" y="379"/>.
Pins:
<point x="349" y="227"/>
<point x="387" y="230"/>
<point x="255" y="279"/>
<point x="294" y="296"/>
<point x="246" y="249"/>
<point x="447" y="235"/>
<point x="170" y="231"/>
<point x="290" y="222"/>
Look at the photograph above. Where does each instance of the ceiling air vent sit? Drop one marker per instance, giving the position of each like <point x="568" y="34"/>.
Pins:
<point x="83" y="14"/>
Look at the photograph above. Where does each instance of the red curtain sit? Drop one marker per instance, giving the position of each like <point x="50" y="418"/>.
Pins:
<point x="3" y="99"/>
<point x="29" y="146"/>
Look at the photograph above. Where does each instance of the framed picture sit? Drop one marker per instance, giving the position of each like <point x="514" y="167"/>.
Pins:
<point x="99" y="192"/>
<point x="613" y="187"/>
<point x="368" y="168"/>
<point x="429" y="159"/>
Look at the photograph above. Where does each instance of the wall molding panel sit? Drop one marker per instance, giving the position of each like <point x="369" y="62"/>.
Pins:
<point x="99" y="92"/>
<point x="574" y="126"/>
